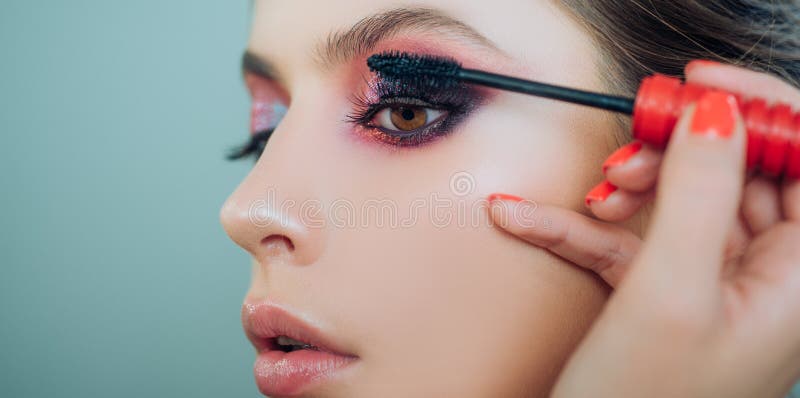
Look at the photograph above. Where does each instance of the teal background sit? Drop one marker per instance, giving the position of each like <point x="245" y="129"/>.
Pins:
<point x="115" y="276"/>
<point x="116" y="279"/>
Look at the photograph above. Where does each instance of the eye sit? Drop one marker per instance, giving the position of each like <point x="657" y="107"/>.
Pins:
<point x="253" y="147"/>
<point x="410" y="113"/>
<point x="269" y="105"/>
<point x="404" y="119"/>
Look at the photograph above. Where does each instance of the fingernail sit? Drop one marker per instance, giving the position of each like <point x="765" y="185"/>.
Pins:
<point x="715" y="114"/>
<point x="600" y="193"/>
<point x="504" y="196"/>
<point x="700" y="63"/>
<point x="621" y="155"/>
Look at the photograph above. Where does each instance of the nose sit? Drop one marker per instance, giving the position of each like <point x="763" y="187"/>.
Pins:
<point x="265" y="216"/>
<point x="268" y="230"/>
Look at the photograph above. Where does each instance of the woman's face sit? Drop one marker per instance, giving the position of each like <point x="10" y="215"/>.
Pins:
<point x="366" y="215"/>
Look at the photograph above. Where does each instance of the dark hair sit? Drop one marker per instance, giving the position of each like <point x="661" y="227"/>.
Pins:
<point x="641" y="37"/>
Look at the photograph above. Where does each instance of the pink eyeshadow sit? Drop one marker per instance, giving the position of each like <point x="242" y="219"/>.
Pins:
<point x="268" y="106"/>
<point x="266" y="115"/>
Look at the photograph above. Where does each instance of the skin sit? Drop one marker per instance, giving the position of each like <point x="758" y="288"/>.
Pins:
<point x="411" y="316"/>
<point x="718" y="278"/>
<point x="430" y="310"/>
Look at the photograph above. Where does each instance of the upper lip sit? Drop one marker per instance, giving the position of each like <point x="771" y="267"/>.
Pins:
<point x="265" y="321"/>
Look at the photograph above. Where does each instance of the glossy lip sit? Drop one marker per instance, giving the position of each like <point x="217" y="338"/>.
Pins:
<point x="285" y="374"/>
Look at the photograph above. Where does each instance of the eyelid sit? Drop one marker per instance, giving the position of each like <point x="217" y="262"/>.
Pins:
<point x="269" y="103"/>
<point x="260" y="86"/>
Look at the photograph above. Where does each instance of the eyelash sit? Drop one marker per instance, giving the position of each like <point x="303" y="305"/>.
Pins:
<point x="253" y="147"/>
<point x="456" y="103"/>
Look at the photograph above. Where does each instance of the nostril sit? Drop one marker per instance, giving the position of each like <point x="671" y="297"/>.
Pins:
<point x="277" y="244"/>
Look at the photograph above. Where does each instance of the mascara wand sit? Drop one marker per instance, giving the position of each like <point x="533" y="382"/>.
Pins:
<point x="773" y="132"/>
<point x="447" y="73"/>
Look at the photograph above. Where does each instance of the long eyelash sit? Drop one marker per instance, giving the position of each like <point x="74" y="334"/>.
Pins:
<point x="389" y="92"/>
<point x="252" y="148"/>
<point x="364" y="111"/>
<point x="457" y="102"/>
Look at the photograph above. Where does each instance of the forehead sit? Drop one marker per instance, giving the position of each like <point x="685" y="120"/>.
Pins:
<point x="289" y="32"/>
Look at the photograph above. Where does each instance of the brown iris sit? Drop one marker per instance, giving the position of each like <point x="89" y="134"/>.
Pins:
<point x="408" y="118"/>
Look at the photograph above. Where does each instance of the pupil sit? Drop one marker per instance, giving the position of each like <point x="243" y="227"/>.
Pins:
<point x="407" y="114"/>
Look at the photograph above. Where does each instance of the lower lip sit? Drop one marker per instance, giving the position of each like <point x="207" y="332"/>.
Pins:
<point x="293" y="373"/>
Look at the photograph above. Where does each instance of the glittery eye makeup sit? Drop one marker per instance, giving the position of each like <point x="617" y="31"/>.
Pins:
<point x="411" y="113"/>
<point x="268" y="107"/>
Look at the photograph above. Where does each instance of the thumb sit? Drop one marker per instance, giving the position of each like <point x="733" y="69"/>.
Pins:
<point x="699" y="192"/>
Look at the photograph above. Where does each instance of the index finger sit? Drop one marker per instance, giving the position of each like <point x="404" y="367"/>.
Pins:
<point x="745" y="82"/>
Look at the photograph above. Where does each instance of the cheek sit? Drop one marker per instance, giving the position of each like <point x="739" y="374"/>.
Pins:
<point x="542" y="150"/>
<point x="446" y="288"/>
<point x="436" y="292"/>
<point x="441" y="286"/>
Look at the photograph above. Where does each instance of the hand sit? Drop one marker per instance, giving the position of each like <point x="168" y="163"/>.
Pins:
<point x="709" y="305"/>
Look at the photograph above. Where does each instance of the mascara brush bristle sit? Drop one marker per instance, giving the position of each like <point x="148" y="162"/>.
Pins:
<point x="438" y="71"/>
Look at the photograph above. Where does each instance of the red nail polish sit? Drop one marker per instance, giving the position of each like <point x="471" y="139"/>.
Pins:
<point x="504" y="196"/>
<point x="600" y="193"/>
<point x="700" y="63"/>
<point x="715" y="114"/>
<point x="621" y="155"/>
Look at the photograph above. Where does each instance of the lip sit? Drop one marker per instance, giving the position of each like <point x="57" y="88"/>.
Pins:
<point x="288" y="374"/>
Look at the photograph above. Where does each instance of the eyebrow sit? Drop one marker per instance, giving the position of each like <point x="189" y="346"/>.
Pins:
<point x="365" y="34"/>
<point x="368" y="32"/>
<point x="252" y="63"/>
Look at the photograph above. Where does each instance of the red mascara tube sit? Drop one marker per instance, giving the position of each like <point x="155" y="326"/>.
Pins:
<point x="773" y="131"/>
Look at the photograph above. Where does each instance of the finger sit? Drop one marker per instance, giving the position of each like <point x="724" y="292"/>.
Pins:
<point x="771" y="264"/>
<point x="738" y="241"/>
<point x="766" y="291"/>
<point x="761" y="204"/>
<point x="698" y="195"/>
<point x="633" y="167"/>
<point x="605" y="249"/>
<point x="610" y="203"/>
<point x="746" y="82"/>
<point x="791" y="200"/>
